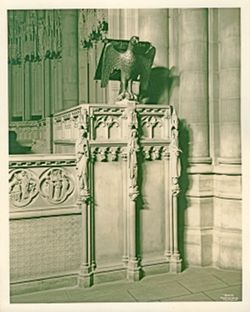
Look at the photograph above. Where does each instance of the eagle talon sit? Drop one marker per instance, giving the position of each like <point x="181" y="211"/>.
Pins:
<point x="121" y="96"/>
<point x="129" y="96"/>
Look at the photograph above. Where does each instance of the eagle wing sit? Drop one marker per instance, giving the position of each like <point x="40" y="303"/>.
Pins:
<point x="145" y="63"/>
<point x="111" y="61"/>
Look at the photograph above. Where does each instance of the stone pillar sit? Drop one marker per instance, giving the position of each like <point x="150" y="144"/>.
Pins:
<point x="196" y="202"/>
<point x="153" y="27"/>
<point x="27" y="91"/>
<point x="133" y="268"/>
<point x="227" y="240"/>
<point x="193" y="97"/>
<point x="229" y="114"/>
<point x="70" y="58"/>
<point x="114" y="33"/>
<point x="85" y="274"/>
<point x="129" y="23"/>
<point x="47" y="88"/>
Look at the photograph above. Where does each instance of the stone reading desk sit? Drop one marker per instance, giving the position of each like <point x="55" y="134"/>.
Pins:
<point x="113" y="188"/>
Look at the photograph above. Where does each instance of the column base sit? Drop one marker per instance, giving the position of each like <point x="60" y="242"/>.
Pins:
<point x="85" y="278"/>
<point x="134" y="272"/>
<point x="167" y="255"/>
<point x="125" y="261"/>
<point x="175" y="264"/>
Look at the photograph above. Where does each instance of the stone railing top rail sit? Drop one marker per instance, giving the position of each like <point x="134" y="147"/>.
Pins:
<point x="108" y="106"/>
<point x="41" y="160"/>
<point x="27" y="123"/>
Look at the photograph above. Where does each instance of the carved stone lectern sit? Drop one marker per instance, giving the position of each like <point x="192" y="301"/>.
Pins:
<point x="127" y="170"/>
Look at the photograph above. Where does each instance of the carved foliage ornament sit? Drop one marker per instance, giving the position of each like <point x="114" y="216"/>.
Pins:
<point x="132" y="150"/>
<point x="23" y="187"/>
<point x="56" y="185"/>
<point x="174" y="153"/>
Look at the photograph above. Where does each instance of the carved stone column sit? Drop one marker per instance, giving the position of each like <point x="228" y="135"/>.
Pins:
<point x="193" y="95"/>
<point x="172" y="167"/>
<point x="153" y="27"/>
<point x="175" y="261"/>
<point x="125" y="206"/>
<point x="114" y="32"/>
<point x="197" y="209"/>
<point x="134" y="269"/>
<point x="227" y="239"/>
<point x="27" y="91"/>
<point x="83" y="170"/>
<point x="229" y="55"/>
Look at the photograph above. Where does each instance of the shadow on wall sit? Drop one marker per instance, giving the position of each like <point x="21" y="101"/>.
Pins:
<point x="161" y="82"/>
<point x="161" y="86"/>
<point x="15" y="147"/>
<point x="184" y="138"/>
<point x="140" y="203"/>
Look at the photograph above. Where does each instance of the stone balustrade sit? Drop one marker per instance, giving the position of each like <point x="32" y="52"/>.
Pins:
<point x="35" y="134"/>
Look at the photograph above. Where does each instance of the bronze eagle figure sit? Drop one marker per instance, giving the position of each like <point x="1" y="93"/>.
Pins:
<point x="133" y="63"/>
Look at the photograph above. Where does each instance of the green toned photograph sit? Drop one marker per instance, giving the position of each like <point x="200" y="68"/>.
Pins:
<point x="124" y="155"/>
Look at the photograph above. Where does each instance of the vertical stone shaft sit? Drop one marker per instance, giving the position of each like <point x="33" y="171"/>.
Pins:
<point x="114" y="32"/>
<point x="175" y="228"/>
<point x="229" y="72"/>
<point x="27" y="91"/>
<point x="193" y="57"/>
<point x="132" y="230"/>
<point x="85" y="227"/>
<point x="153" y="27"/>
<point x="70" y="58"/>
<point x="125" y="211"/>
<point x="167" y="207"/>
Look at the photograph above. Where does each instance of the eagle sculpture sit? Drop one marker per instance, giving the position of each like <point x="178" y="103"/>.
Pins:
<point x="126" y="61"/>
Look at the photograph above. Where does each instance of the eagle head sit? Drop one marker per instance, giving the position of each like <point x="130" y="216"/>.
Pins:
<point x="134" y="41"/>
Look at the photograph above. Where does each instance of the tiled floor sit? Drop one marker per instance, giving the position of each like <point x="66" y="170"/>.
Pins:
<point x="194" y="284"/>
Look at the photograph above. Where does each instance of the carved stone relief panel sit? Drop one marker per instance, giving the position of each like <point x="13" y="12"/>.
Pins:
<point x="155" y="122"/>
<point x="151" y="126"/>
<point x="23" y="187"/>
<point x="107" y="122"/>
<point x="56" y="185"/>
<point x="105" y="153"/>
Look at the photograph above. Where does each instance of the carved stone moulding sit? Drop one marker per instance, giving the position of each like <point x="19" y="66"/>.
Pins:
<point x="151" y="110"/>
<point x="107" y="110"/>
<point x="108" y="153"/>
<point x="55" y="185"/>
<point x="23" y="187"/>
<point x="155" y="152"/>
<point x="41" y="163"/>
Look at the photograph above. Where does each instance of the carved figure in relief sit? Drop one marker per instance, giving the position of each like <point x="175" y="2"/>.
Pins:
<point x="132" y="157"/>
<point x="25" y="180"/>
<point x="175" y="151"/>
<point x="82" y="158"/>
<point x="23" y="188"/>
<point x="15" y="188"/>
<point x="56" y="185"/>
